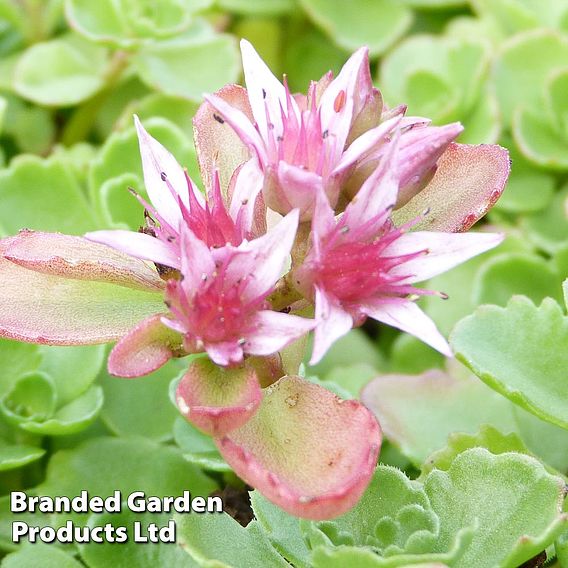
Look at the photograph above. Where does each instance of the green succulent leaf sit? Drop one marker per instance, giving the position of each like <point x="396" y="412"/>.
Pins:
<point x="14" y="456"/>
<point x="525" y="512"/>
<point x="548" y="228"/>
<point x="539" y="140"/>
<point x="218" y="541"/>
<point x="70" y="418"/>
<point x="31" y="399"/>
<point x="527" y="61"/>
<point x="189" y="68"/>
<point x="544" y="440"/>
<point x="44" y="555"/>
<point x="198" y="448"/>
<point x="17" y="359"/>
<point x="35" y="192"/>
<point x="520" y="351"/>
<point x="73" y="369"/>
<point x="140" y="407"/>
<point x="60" y="72"/>
<point x="377" y="24"/>
<point x="418" y="413"/>
<point x="504" y="275"/>
<point x="528" y="189"/>
<point x="126" y="22"/>
<point x="282" y="529"/>
<point x="266" y="7"/>
<point x="130" y="553"/>
<point x="488" y="437"/>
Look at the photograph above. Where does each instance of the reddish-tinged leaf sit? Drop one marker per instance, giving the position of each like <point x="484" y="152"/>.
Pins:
<point x="45" y="308"/>
<point x="305" y="449"/>
<point x="80" y="259"/>
<point x="217" y="144"/>
<point x="217" y="399"/>
<point x="144" y="349"/>
<point x="468" y="182"/>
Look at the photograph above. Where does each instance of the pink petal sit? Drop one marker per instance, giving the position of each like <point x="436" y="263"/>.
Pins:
<point x="323" y="222"/>
<point x="156" y="161"/>
<point x="344" y="88"/>
<point x="271" y="331"/>
<point x="45" y="308"/>
<point x="218" y="145"/>
<point x="225" y="353"/>
<point x="362" y="145"/>
<point x="467" y="183"/>
<point x="306" y="450"/>
<point x="333" y="322"/>
<point x="266" y="93"/>
<point x="240" y="123"/>
<point x="445" y="250"/>
<point x="377" y="195"/>
<point x="138" y="245"/>
<point x="144" y="349"/>
<point x="76" y="257"/>
<point x="408" y="317"/>
<point x="218" y="400"/>
<point x="247" y="186"/>
<point x="197" y="262"/>
<point x="262" y="261"/>
<point x="295" y="188"/>
<point x="420" y="149"/>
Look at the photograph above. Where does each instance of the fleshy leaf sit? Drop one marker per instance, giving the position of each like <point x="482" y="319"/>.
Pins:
<point x="526" y="61"/>
<point x="17" y="359"/>
<point x="14" y="456"/>
<point x="417" y="413"/>
<point x="378" y="24"/>
<point x="40" y="555"/>
<point x="336" y="443"/>
<point x="282" y="529"/>
<point x="219" y="541"/>
<point x="144" y="349"/>
<point x="70" y="418"/>
<point x="151" y="415"/>
<point x="543" y="439"/>
<point x="217" y="143"/>
<point x="78" y="258"/>
<point x="488" y="437"/>
<point x="548" y="228"/>
<point x="525" y="513"/>
<point x="131" y="553"/>
<point x="73" y="369"/>
<point x="507" y="274"/>
<point x="198" y="448"/>
<point x="133" y="464"/>
<point x="61" y="311"/>
<point x="36" y="192"/>
<point x="218" y="400"/>
<point x="467" y="183"/>
<point x="188" y="69"/>
<point x="520" y="351"/>
<point x="538" y="141"/>
<point x="31" y="399"/>
<point x="60" y="72"/>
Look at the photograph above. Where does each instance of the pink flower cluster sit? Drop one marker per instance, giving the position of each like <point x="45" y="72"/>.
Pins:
<point x="315" y="218"/>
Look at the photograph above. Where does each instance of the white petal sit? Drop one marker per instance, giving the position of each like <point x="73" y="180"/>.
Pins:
<point x="445" y="250"/>
<point x="408" y="317"/>
<point x="333" y="322"/>
<point x="265" y="91"/>
<point x="156" y="160"/>
<point x="138" y="245"/>
<point x="271" y="331"/>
